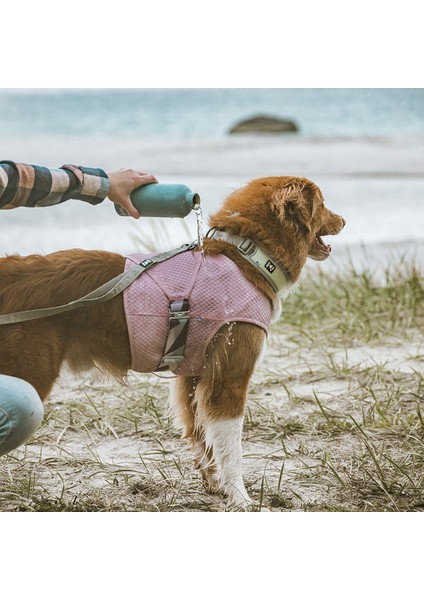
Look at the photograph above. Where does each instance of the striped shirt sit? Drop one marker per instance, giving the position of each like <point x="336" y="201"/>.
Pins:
<point x="31" y="185"/>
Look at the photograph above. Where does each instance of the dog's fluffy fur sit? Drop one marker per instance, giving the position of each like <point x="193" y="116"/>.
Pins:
<point x="285" y="215"/>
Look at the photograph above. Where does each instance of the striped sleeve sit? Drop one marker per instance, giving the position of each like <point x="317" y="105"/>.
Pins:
<point x="31" y="185"/>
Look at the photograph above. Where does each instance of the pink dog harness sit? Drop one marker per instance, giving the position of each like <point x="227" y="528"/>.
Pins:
<point x="205" y="294"/>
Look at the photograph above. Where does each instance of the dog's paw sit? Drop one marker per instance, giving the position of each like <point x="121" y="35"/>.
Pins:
<point x="211" y="486"/>
<point x="244" y="503"/>
<point x="240" y="503"/>
<point x="251" y="507"/>
<point x="259" y="508"/>
<point x="211" y="481"/>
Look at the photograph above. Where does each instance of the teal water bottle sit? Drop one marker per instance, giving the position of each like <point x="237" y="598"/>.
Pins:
<point x="162" y="200"/>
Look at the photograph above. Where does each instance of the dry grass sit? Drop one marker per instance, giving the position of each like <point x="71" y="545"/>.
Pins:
<point x="335" y="420"/>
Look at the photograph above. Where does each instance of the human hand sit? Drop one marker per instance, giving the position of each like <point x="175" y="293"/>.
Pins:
<point x="122" y="183"/>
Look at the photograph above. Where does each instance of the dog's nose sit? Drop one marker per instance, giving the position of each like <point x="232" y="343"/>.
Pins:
<point x="343" y="221"/>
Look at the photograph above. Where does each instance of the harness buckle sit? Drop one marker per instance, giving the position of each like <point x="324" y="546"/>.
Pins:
<point x="169" y="361"/>
<point x="247" y="246"/>
<point x="179" y="315"/>
<point x="179" y="309"/>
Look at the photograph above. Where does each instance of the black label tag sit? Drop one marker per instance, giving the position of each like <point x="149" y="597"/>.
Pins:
<point x="146" y="262"/>
<point x="269" y="266"/>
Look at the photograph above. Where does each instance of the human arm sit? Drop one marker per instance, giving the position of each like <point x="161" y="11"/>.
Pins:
<point x="32" y="185"/>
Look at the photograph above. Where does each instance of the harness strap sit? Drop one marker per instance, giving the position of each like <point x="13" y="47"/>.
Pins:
<point x="105" y="292"/>
<point x="179" y="317"/>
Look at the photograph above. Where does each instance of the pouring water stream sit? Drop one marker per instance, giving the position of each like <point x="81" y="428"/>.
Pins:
<point x="200" y="235"/>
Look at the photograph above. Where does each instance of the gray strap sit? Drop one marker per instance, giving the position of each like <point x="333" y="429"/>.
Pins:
<point x="105" y="292"/>
<point x="179" y="318"/>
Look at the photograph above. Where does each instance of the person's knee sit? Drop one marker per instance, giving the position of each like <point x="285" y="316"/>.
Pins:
<point x="29" y="408"/>
<point x="21" y="412"/>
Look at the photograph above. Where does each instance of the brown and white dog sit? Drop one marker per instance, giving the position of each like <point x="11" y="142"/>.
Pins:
<point x="285" y="216"/>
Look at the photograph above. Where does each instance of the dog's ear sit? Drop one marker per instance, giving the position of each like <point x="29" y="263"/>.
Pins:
<point x="294" y="202"/>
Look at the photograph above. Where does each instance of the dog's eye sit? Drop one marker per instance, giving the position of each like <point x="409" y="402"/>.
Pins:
<point x="290" y="208"/>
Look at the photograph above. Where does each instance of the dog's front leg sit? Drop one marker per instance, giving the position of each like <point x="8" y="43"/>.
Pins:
<point x="220" y="400"/>
<point x="223" y="437"/>
<point x="182" y="405"/>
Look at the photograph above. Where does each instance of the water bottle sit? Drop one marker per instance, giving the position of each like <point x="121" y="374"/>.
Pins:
<point x="162" y="200"/>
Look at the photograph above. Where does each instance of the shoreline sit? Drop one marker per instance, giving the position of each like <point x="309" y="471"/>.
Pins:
<point x="239" y="155"/>
<point x="376" y="183"/>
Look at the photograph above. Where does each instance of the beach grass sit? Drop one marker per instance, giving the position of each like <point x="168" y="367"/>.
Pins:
<point x="335" y="418"/>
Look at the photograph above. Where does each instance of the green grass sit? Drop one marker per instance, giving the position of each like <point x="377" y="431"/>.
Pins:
<point x="335" y="419"/>
<point x="353" y="307"/>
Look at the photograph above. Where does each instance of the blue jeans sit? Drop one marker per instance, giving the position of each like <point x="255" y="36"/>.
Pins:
<point x="21" y="412"/>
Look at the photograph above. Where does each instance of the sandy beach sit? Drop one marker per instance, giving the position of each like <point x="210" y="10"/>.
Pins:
<point x="328" y="414"/>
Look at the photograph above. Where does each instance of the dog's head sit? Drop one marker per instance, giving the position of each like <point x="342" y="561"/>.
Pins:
<point x="302" y="203"/>
<point x="285" y="214"/>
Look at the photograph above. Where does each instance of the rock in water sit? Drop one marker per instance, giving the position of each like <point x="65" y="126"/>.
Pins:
<point x="264" y="124"/>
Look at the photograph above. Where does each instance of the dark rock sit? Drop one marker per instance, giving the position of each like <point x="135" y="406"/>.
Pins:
<point x="264" y="124"/>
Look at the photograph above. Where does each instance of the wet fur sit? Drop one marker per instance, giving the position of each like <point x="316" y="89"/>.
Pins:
<point x="282" y="214"/>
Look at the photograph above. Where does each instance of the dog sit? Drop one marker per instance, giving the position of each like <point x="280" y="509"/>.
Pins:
<point x="285" y="217"/>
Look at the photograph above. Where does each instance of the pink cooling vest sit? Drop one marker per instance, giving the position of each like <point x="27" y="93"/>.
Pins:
<point x="218" y="293"/>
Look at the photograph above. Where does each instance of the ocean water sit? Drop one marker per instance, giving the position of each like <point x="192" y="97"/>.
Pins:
<point x="363" y="147"/>
<point x="208" y="113"/>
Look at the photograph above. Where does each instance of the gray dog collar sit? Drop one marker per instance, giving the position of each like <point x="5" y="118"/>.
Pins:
<point x="273" y="273"/>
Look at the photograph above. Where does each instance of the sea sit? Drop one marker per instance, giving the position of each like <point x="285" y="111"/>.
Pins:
<point x="208" y="113"/>
<point x="363" y="147"/>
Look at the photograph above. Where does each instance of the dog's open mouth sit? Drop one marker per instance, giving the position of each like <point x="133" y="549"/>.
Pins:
<point x="324" y="247"/>
<point x="319" y="250"/>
